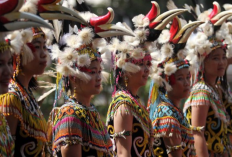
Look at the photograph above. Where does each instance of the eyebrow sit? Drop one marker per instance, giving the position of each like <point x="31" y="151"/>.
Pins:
<point x="38" y="42"/>
<point x="94" y="68"/>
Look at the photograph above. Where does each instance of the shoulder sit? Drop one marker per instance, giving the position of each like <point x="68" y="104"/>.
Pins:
<point x="201" y="94"/>
<point x="166" y="121"/>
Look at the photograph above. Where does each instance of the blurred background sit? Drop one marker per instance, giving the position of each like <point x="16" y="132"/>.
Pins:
<point x="124" y="10"/>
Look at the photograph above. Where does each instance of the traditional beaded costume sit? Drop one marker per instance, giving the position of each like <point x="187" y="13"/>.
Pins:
<point x="14" y="42"/>
<point x="167" y="119"/>
<point x="216" y="132"/>
<point x="213" y="34"/>
<point x="6" y="140"/>
<point x="141" y="130"/>
<point x="30" y="134"/>
<point x="84" y="126"/>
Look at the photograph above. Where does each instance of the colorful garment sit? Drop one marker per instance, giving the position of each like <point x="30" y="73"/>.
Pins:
<point x="6" y="140"/>
<point x="141" y="129"/>
<point x="30" y="136"/>
<point x="216" y="134"/>
<point x="169" y="121"/>
<point x="227" y="101"/>
<point x="78" y="124"/>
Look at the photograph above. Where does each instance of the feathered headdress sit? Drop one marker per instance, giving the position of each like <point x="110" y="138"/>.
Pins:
<point x="212" y="34"/>
<point x="148" y="28"/>
<point x="169" y="58"/>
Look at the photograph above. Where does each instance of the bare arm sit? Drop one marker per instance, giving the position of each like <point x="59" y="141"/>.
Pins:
<point x="173" y="141"/>
<point x="12" y="122"/>
<point x="123" y="121"/>
<point x="199" y="115"/>
<point x="71" y="151"/>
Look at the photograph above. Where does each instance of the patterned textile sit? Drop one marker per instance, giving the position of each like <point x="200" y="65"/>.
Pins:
<point x="141" y="129"/>
<point x="31" y="129"/>
<point x="216" y="122"/>
<point x="75" y="123"/>
<point x="169" y="121"/>
<point x="6" y="140"/>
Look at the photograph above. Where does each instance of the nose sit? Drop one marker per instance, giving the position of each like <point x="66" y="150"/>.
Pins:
<point x="99" y="77"/>
<point x="187" y="82"/>
<point x="146" y="69"/>
<point x="43" y="53"/>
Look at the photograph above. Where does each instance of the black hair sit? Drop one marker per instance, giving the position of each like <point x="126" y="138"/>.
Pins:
<point x="33" y="84"/>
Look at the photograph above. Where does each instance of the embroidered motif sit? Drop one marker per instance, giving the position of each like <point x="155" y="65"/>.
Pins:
<point x="32" y="126"/>
<point x="141" y="127"/>
<point x="168" y="121"/>
<point x="6" y="140"/>
<point x="201" y="94"/>
<point x="23" y="106"/>
<point x="75" y="123"/>
<point x="216" y="135"/>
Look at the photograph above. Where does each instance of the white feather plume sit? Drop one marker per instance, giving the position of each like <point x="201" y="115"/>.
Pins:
<point x="130" y="67"/>
<point x="27" y="55"/>
<point x="164" y="36"/>
<point x="16" y="42"/>
<point x="140" y="21"/>
<point x="167" y="50"/>
<point x="69" y="56"/>
<point x="55" y="52"/>
<point x="86" y="35"/>
<point x="83" y="60"/>
<point x="170" y="68"/>
<point x="65" y="70"/>
<point x="30" y="6"/>
<point x="82" y="75"/>
<point x="27" y="35"/>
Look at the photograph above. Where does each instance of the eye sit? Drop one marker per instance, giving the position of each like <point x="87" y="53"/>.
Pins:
<point x="180" y="78"/>
<point x="99" y="72"/>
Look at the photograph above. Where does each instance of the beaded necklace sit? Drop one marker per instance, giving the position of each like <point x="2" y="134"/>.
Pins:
<point x="75" y="101"/>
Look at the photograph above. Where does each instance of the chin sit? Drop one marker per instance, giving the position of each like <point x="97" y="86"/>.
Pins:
<point x="3" y="90"/>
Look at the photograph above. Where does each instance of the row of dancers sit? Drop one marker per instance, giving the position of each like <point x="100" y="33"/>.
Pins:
<point x="183" y="60"/>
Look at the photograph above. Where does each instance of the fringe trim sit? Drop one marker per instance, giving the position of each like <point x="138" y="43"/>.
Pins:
<point x="127" y="103"/>
<point x="34" y="126"/>
<point x="203" y="97"/>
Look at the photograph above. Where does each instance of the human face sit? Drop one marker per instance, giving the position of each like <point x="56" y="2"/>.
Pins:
<point x="181" y="85"/>
<point x="93" y="86"/>
<point x="6" y="71"/>
<point x="39" y="62"/>
<point x="139" y="78"/>
<point x="215" y="64"/>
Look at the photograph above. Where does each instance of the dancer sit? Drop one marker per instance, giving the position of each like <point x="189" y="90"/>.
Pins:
<point x="170" y="84"/>
<point x="77" y="129"/>
<point x="26" y="121"/>
<point x="127" y="118"/>
<point x="11" y="44"/>
<point x="204" y="108"/>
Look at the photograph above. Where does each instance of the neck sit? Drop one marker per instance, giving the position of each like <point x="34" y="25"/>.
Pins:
<point x="211" y="80"/>
<point x="24" y="79"/>
<point x="132" y="89"/>
<point x="83" y="99"/>
<point x="175" y="101"/>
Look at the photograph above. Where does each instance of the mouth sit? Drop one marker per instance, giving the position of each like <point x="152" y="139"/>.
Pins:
<point x="187" y="90"/>
<point x="98" y="86"/>
<point x="44" y="63"/>
<point x="221" y="68"/>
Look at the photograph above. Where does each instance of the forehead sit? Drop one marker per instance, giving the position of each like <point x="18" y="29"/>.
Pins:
<point x="95" y="64"/>
<point x="183" y="71"/>
<point x="218" y="51"/>
<point x="39" y="40"/>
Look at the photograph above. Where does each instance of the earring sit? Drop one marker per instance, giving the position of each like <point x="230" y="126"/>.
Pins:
<point x="126" y="81"/>
<point x="75" y="92"/>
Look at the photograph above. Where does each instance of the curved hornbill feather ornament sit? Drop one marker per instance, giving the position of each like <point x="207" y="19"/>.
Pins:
<point x="12" y="19"/>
